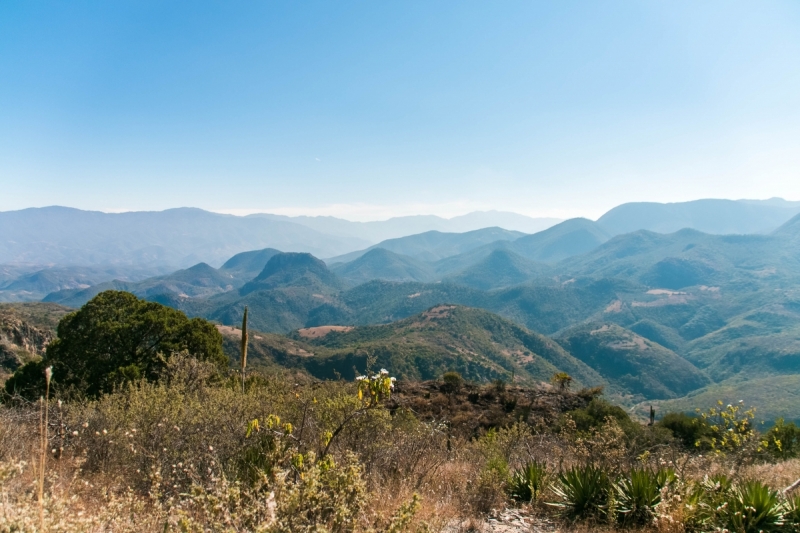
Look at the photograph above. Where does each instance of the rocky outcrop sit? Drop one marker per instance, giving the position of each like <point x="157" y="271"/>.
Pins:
<point x="20" y="341"/>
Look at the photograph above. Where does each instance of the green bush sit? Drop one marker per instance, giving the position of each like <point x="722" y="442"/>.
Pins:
<point x="526" y="484"/>
<point x="113" y="339"/>
<point x="595" y="415"/>
<point x="782" y="440"/>
<point x="452" y="381"/>
<point x="583" y="492"/>
<point x="689" y="430"/>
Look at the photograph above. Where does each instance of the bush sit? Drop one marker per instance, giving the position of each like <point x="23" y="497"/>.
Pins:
<point x="595" y="415"/>
<point x="116" y="338"/>
<point x="689" y="430"/>
<point x="452" y="381"/>
<point x="325" y="497"/>
<point x="782" y="441"/>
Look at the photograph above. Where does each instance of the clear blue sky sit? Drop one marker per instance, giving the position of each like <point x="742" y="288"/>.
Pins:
<point x="372" y="109"/>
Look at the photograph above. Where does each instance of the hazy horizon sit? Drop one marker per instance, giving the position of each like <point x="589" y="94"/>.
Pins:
<point x="332" y="211"/>
<point x="369" y="111"/>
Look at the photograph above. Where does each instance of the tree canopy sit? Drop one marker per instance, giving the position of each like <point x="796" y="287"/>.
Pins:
<point x="117" y="337"/>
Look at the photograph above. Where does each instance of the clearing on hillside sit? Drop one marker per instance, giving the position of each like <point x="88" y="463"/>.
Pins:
<point x="321" y="331"/>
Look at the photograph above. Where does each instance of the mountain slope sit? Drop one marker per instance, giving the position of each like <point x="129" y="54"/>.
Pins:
<point x="630" y="362"/>
<point x="709" y="216"/>
<point x="393" y="228"/>
<point x="35" y="283"/>
<point x="294" y="270"/>
<point x="569" y="238"/>
<point x="435" y="245"/>
<point x="478" y="344"/>
<point x="175" y="237"/>
<point x="247" y="265"/>
<point x="790" y="229"/>
<point x="380" y="263"/>
<point x="688" y="258"/>
<point x="501" y="268"/>
<point x="25" y="331"/>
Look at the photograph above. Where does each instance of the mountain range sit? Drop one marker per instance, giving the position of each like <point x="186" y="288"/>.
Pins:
<point x="661" y="317"/>
<point x="54" y="248"/>
<point x="654" y="316"/>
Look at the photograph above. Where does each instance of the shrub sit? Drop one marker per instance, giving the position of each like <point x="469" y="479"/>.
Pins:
<point x="782" y="441"/>
<point x="689" y="430"/>
<point x="561" y="380"/>
<point x="117" y="338"/>
<point x="452" y="381"/>
<point x="583" y="492"/>
<point x="595" y="415"/>
<point x="526" y="484"/>
<point x="703" y="501"/>
<point x="730" y="428"/>
<point x="324" y="497"/>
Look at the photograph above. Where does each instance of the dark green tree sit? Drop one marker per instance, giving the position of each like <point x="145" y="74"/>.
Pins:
<point x="114" y="338"/>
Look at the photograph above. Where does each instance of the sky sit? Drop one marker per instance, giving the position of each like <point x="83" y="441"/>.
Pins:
<point x="367" y="110"/>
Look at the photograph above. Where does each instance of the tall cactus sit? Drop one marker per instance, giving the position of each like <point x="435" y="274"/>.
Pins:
<point x="244" y="346"/>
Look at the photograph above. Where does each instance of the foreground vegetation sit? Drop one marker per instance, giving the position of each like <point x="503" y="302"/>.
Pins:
<point x="192" y="452"/>
<point x="115" y="432"/>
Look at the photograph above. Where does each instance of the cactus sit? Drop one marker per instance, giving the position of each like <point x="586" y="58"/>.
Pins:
<point x="244" y="346"/>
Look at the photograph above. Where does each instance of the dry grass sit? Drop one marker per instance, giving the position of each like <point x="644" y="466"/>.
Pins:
<point x="185" y="467"/>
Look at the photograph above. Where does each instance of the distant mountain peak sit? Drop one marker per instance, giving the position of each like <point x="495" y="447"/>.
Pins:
<point x="291" y="261"/>
<point x="293" y="269"/>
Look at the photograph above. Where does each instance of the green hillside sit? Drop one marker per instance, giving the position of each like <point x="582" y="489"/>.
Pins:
<point x="501" y="268"/>
<point x="294" y="270"/>
<point x="380" y="263"/>
<point x="632" y="363"/>
<point x="478" y="344"/>
<point x="247" y="265"/>
<point x="567" y="239"/>
<point x="773" y="397"/>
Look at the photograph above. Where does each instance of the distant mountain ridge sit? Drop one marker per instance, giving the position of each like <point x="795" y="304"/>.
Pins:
<point x="719" y="217"/>
<point x="395" y="227"/>
<point x="435" y="245"/>
<point x="175" y="237"/>
<point x="83" y="249"/>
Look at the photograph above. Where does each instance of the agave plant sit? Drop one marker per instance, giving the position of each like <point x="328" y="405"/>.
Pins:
<point x="753" y="508"/>
<point x="527" y="483"/>
<point x="792" y="514"/>
<point x="639" y="493"/>
<point x="583" y="491"/>
<point x="705" y="500"/>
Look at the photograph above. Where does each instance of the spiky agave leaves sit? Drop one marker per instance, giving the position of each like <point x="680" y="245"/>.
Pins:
<point x="792" y="513"/>
<point x="527" y="483"/>
<point x="753" y="508"/>
<point x="583" y="492"/>
<point x="639" y="493"/>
